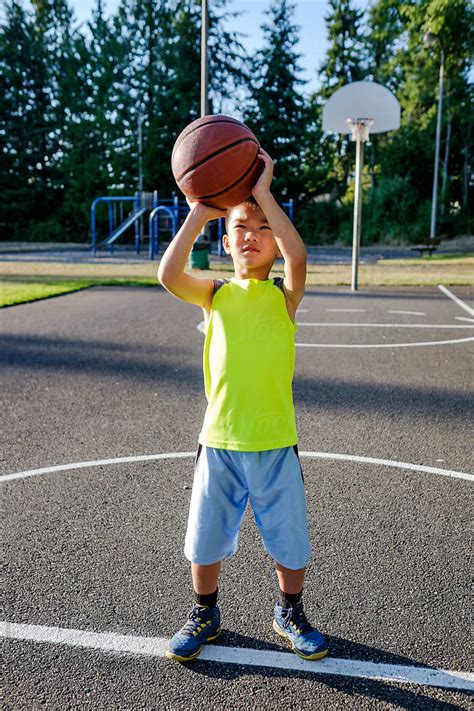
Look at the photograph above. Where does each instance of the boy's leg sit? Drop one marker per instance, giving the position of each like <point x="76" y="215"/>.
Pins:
<point x="289" y="617"/>
<point x="290" y="581"/>
<point x="205" y="577"/>
<point x="203" y="623"/>
<point x="284" y="529"/>
<point x="217" y="505"/>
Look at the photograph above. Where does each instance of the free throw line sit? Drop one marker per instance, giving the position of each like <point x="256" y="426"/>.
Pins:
<point x="156" y="647"/>
<point x="409" y="313"/>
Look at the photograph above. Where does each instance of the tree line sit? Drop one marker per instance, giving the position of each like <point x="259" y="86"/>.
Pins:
<point x="71" y="98"/>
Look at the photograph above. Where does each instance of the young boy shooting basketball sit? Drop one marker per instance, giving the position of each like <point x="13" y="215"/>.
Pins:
<point x="248" y="442"/>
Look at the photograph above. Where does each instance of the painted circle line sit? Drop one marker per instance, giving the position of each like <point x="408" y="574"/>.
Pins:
<point x="201" y="327"/>
<point x="434" y="326"/>
<point x="178" y="455"/>
<point x="384" y="345"/>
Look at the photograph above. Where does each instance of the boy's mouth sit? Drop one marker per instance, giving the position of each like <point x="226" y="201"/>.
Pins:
<point x="248" y="248"/>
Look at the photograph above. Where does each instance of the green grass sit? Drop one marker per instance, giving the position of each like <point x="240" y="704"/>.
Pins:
<point x="24" y="291"/>
<point x="23" y="282"/>
<point x="453" y="258"/>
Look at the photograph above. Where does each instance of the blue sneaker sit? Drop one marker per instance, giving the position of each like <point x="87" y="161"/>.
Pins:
<point x="306" y="641"/>
<point x="202" y="626"/>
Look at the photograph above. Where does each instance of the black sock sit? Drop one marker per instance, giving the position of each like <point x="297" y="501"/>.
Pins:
<point x="207" y="600"/>
<point x="290" y="599"/>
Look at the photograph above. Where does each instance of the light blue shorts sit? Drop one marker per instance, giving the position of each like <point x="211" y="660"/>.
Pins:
<point x="224" y="481"/>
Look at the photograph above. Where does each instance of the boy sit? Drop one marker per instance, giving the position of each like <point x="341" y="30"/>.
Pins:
<point x="248" y="442"/>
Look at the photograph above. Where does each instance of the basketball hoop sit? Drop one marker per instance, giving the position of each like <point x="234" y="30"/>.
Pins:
<point x="377" y="110"/>
<point x="360" y="128"/>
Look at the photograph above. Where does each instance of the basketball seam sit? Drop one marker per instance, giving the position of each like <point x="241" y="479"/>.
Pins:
<point x="216" y="153"/>
<point x="229" y="187"/>
<point x="229" y="119"/>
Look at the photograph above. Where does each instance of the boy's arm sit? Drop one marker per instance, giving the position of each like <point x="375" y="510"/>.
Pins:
<point x="289" y="242"/>
<point x="173" y="262"/>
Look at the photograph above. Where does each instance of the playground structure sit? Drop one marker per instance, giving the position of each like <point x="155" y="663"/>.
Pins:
<point x="165" y="215"/>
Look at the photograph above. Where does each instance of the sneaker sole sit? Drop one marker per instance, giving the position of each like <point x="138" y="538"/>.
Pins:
<point x="315" y="656"/>
<point x="177" y="658"/>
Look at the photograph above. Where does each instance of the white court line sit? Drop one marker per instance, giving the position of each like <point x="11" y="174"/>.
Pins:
<point x="464" y="318"/>
<point x="156" y="647"/>
<point x="175" y="455"/>
<point x="383" y="345"/>
<point x="410" y="313"/>
<point x="456" y="299"/>
<point x="94" y="463"/>
<point x="348" y="310"/>
<point x="201" y="325"/>
<point x="389" y="463"/>
<point x="433" y="326"/>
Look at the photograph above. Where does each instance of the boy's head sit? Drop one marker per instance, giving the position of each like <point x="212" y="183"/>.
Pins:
<point x="248" y="238"/>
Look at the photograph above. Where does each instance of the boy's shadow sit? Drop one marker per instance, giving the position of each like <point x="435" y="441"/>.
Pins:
<point x="341" y="648"/>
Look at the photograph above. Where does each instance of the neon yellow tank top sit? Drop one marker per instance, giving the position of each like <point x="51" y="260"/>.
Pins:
<point x="249" y="361"/>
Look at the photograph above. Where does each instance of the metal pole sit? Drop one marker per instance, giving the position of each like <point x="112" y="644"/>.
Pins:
<point x="357" y="212"/>
<point x="204" y="60"/>
<point x="205" y="81"/>
<point x="437" y="148"/>
<point x="140" y="174"/>
<point x="140" y="151"/>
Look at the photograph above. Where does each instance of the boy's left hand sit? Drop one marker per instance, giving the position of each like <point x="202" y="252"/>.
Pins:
<point x="265" y="179"/>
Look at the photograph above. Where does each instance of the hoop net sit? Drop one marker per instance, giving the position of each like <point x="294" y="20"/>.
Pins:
<point x="360" y="128"/>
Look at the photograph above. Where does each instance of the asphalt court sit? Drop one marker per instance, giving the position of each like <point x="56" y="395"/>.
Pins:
<point x="105" y="374"/>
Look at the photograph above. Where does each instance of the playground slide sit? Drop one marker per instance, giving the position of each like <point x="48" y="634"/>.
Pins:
<point x="131" y="219"/>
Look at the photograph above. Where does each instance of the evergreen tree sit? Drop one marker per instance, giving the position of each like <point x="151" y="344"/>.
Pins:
<point x="36" y="92"/>
<point x="451" y="21"/>
<point x="93" y="163"/>
<point x="18" y="116"/>
<point x="385" y="27"/>
<point x="276" y="110"/>
<point x="345" y="63"/>
<point x="164" y="49"/>
<point x="345" y="59"/>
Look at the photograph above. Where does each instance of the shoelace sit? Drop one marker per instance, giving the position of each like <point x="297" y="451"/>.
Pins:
<point x="295" y="617"/>
<point x="195" y="622"/>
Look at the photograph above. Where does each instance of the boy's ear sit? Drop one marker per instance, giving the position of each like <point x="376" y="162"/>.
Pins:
<point x="225" y="243"/>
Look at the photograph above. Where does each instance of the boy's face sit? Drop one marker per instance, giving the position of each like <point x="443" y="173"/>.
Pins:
<point x="249" y="239"/>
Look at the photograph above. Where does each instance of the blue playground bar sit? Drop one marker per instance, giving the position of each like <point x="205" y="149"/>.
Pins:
<point x="125" y="212"/>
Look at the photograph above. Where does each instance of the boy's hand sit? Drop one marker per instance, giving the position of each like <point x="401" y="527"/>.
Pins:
<point x="265" y="179"/>
<point x="205" y="211"/>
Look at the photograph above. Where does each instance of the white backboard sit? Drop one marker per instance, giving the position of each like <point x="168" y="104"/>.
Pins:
<point x="358" y="101"/>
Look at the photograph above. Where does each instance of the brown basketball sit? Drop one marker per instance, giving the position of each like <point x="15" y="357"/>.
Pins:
<point x="214" y="161"/>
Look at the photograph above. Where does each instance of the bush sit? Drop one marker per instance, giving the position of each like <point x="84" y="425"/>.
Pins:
<point x="392" y="213"/>
<point x="320" y="222"/>
<point x="45" y="231"/>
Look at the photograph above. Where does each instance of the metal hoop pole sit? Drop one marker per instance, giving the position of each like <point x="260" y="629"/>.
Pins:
<point x="205" y="80"/>
<point x="204" y="60"/>
<point x="357" y="213"/>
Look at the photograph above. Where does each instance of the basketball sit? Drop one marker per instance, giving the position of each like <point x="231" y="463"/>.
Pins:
<point x="214" y="161"/>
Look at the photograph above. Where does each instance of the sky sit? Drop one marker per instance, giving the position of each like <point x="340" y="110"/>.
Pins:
<point x="309" y="15"/>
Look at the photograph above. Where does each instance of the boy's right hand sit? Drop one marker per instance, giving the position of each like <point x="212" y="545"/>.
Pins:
<point x="205" y="211"/>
